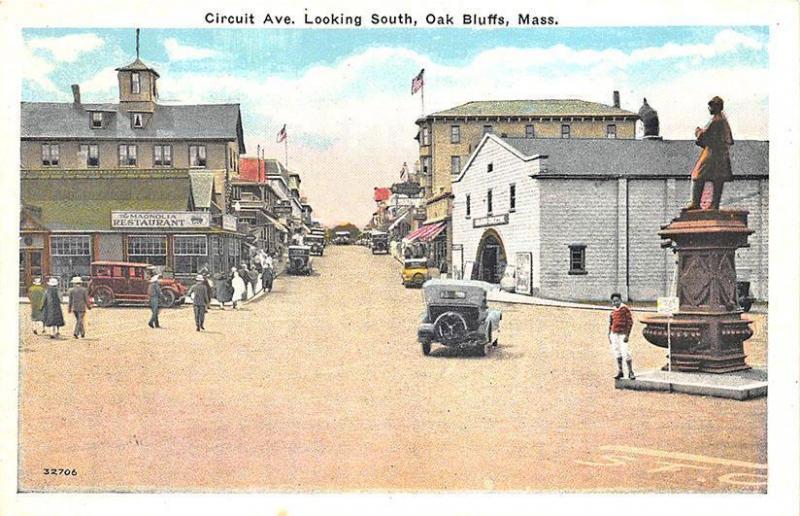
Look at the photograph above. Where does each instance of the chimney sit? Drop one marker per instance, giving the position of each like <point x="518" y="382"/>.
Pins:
<point x="76" y="94"/>
<point x="616" y="99"/>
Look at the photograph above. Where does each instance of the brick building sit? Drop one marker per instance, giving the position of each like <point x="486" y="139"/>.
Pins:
<point x="580" y="218"/>
<point x="447" y="138"/>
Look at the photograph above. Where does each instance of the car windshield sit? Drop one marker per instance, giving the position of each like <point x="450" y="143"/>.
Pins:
<point x="415" y="264"/>
<point x="453" y="294"/>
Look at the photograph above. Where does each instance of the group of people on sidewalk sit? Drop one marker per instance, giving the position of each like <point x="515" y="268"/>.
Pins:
<point x="46" y="312"/>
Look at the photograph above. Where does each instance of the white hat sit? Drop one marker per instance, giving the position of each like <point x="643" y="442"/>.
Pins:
<point x="154" y="278"/>
<point x="233" y="269"/>
<point x="199" y="277"/>
<point x="76" y="279"/>
<point x="37" y="281"/>
<point x="53" y="282"/>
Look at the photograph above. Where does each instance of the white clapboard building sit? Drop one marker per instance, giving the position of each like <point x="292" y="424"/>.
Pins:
<point x="578" y="219"/>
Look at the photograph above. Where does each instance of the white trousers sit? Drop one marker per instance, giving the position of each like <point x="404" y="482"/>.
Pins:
<point x="619" y="347"/>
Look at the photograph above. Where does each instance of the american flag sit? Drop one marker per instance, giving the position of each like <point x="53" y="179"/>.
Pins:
<point x="418" y="82"/>
<point x="281" y="134"/>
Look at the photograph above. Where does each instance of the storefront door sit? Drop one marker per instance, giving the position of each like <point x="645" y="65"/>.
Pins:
<point x="30" y="266"/>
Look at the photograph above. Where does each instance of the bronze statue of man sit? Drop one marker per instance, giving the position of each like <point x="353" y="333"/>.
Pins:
<point x="714" y="163"/>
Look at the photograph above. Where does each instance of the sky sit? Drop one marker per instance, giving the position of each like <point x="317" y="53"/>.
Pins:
<point x="345" y="94"/>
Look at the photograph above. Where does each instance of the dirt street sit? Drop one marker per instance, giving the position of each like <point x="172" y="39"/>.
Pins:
<point x="321" y="385"/>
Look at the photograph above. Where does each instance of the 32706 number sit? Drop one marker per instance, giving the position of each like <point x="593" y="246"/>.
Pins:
<point x="67" y="472"/>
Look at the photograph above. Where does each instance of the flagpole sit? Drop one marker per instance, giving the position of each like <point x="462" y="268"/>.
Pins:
<point x="422" y="97"/>
<point x="286" y="149"/>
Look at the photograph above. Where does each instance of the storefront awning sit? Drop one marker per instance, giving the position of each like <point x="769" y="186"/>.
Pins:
<point x="400" y="218"/>
<point x="278" y="225"/>
<point x="425" y="233"/>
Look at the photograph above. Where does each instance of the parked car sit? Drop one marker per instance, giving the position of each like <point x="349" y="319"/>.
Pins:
<point x="112" y="283"/>
<point x="379" y="242"/>
<point x="743" y="295"/>
<point x="317" y="244"/>
<point x="509" y="280"/>
<point x="300" y="261"/>
<point x="457" y="315"/>
<point x="415" y="272"/>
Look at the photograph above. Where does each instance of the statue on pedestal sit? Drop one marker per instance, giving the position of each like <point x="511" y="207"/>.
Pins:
<point x="714" y="163"/>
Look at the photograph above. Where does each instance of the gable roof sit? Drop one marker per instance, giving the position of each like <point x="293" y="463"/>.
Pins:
<point x="533" y="108"/>
<point x="63" y="120"/>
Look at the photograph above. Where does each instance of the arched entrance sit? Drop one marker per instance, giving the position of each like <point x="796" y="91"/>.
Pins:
<point x="491" y="259"/>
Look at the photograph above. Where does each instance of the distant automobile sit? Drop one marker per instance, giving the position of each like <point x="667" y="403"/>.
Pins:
<point x="379" y="242"/>
<point x="317" y="244"/>
<point x="342" y="238"/>
<point x="111" y="283"/>
<point x="415" y="272"/>
<point x="457" y="315"/>
<point x="300" y="261"/>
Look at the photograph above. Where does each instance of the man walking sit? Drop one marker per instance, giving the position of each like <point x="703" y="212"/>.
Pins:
<point x="78" y="305"/>
<point x="154" y="295"/>
<point x="201" y="299"/>
<point x="619" y="330"/>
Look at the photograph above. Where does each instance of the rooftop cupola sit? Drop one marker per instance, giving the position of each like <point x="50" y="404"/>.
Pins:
<point x="137" y="84"/>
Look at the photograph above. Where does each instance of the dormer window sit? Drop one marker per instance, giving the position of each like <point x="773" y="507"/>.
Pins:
<point x="136" y="86"/>
<point x="97" y="120"/>
<point x="137" y="120"/>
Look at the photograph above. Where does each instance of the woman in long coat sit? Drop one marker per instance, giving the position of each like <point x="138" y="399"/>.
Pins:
<point x="239" y="287"/>
<point x="224" y="290"/>
<point x="36" y="297"/>
<point x="52" y="316"/>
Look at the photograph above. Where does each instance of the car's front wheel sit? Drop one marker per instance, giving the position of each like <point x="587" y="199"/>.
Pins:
<point x="167" y="299"/>
<point x="426" y="348"/>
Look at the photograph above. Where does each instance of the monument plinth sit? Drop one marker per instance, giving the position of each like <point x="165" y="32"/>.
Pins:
<point x="707" y="334"/>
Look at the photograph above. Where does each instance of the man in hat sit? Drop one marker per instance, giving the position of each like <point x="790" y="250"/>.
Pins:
<point x="36" y="297"/>
<point x="154" y="297"/>
<point x="78" y="305"/>
<point x="714" y="163"/>
<point x="201" y="298"/>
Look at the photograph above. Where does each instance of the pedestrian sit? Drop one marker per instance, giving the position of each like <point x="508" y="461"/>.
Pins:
<point x="52" y="316"/>
<point x="242" y="273"/>
<point x="36" y="297"/>
<point x="154" y="295"/>
<point x="78" y="304"/>
<point x="620" y="324"/>
<point x="238" y="287"/>
<point x="223" y="290"/>
<point x="200" y="298"/>
<point x="266" y="278"/>
<point x="252" y="274"/>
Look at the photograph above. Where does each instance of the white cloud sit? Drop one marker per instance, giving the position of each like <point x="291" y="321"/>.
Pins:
<point x="351" y="125"/>
<point x="103" y="83"/>
<point x="69" y="48"/>
<point x="37" y="70"/>
<point x="179" y="52"/>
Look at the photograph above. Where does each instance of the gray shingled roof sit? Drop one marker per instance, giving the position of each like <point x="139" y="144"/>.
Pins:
<point x="539" y="107"/>
<point x="137" y="66"/>
<point x="608" y="157"/>
<point x="69" y="120"/>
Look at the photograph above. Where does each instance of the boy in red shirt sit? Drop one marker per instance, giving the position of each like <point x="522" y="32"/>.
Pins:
<point x="619" y="330"/>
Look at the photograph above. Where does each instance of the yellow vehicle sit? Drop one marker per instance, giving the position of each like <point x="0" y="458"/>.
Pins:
<point x="415" y="272"/>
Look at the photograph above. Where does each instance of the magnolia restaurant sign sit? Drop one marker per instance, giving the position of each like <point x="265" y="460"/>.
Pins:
<point x="160" y="219"/>
<point x="524" y="285"/>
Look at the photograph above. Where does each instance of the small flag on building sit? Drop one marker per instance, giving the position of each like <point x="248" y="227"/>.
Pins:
<point x="418" y="82"/>
<point x="281" y="134"/>
<point x="404" y="172"/>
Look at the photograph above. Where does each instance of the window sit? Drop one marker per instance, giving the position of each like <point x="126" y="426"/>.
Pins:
<point x="487" y="129"/>
<point x="70" y="256"/>
<point x="90" y="155"/>
<point x="489" y="202"/>
<point x="197" y="155"/>
<point x="489" y="167"/>
<point x="529" y="131"/>
<point x="469" y="206"/>
<point x="136" y="86"/>
<point x="97" y="119"/>
<point x="512" y="197"/>
<point x="191" y="253"/>
<point x="611" y="131"/>
<point x="136" y="120"/>
<point x="577" y="259"/>
<point x="127" y="155"/>
<point x="455" y="165"/>
<point x="162" y="155"/>
<point x="565" y="130"/>
<point x="455" y="134"/>
<point x="426" y="135"/>
<point x="148" y="249"/>
<point x="50" y="154"/>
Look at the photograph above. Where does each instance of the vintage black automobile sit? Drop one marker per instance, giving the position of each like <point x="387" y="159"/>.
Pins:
<point x="457" y="315"/>
<point x="379" y="242"/>
<point x="316" y="243"/>
<point x="300" y="261"/>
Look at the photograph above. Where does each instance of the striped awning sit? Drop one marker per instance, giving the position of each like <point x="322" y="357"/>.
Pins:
<point x="426" y="233"/>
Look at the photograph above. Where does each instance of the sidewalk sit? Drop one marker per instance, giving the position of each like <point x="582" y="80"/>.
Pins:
<point x="501" y="296"/>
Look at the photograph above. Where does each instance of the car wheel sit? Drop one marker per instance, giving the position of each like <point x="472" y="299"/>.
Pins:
<point x="419" y="279"/>
<point x="426" y="348"/>
<point x="103" y="297"/>
<point x="167" y="299"/>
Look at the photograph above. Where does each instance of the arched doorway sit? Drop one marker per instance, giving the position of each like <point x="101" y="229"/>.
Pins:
<point x="490" y="263"/>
